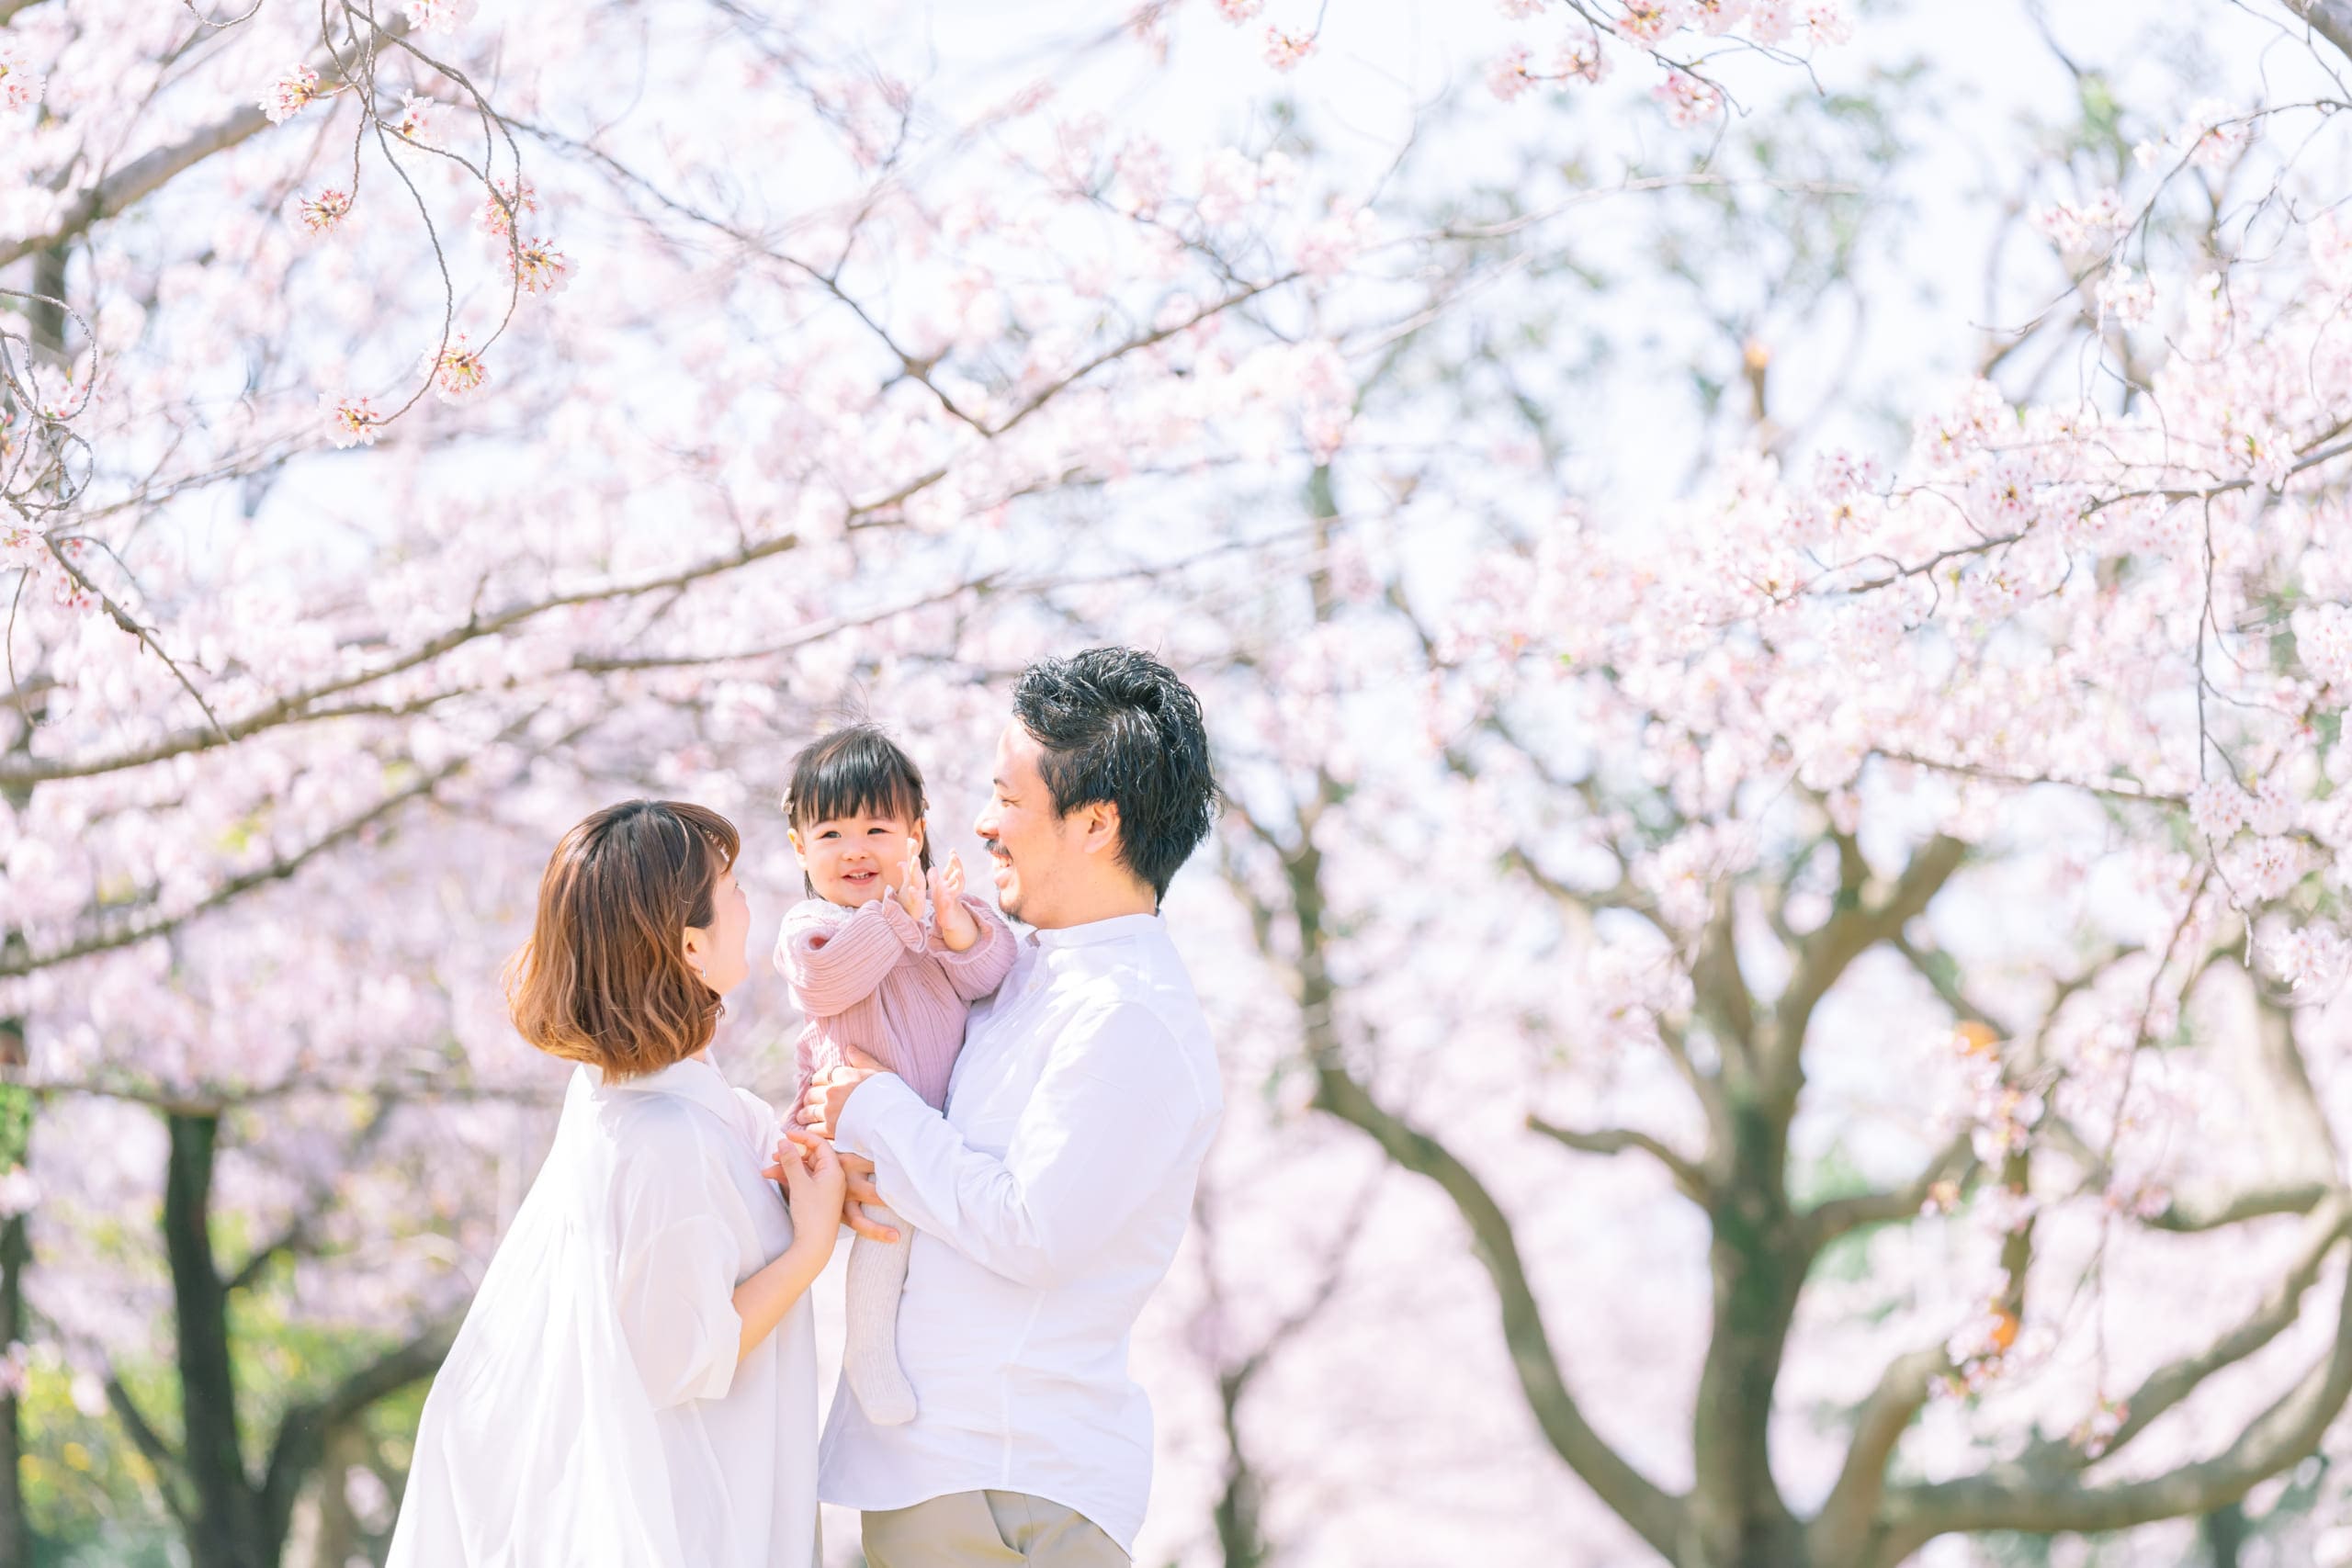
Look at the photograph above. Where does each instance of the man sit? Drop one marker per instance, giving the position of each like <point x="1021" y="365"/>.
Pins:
<point x="1048" y="1202"/>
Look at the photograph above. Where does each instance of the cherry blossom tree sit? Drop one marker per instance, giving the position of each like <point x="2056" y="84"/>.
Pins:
<point x="1921" y="863"/>
<point x="1883" y="904"/>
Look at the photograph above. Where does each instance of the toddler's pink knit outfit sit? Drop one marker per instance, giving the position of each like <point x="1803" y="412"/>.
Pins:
<point x="877" y="979"/>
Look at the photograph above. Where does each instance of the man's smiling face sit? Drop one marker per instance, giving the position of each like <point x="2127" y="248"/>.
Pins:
<point x="1027" y="839"/>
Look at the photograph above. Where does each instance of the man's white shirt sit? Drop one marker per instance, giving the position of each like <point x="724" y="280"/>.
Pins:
<point x="1047" y="1205"/>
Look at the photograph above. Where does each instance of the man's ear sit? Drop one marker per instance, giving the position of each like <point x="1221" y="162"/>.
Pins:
<point x="1099" y="825"/>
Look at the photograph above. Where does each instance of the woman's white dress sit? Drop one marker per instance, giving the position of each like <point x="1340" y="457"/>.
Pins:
<point x="593" y="1410"/>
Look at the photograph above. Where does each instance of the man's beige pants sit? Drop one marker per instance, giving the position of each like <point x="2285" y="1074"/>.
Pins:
<point x="967" y="1529"/>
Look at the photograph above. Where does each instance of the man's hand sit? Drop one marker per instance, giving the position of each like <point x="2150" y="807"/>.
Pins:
<point x="861" y="1192"/>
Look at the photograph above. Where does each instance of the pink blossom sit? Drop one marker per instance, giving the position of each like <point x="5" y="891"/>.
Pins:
<point x="2082" y="228"/>
<point x="291" y="94"/>
<point x="1717" y="18"/>
<point x="1648" y="21"/>
<point x="1507" y="78"/>
<point x="2129" y="300"/>
<point x="19" y="1192"/>
<point x="1689" y="101"/>
<point x="1239" y="11"/>
<point x="415" y="121"/>
<point x="2323" y="641"/>
<point x="1285" y="50"/>
<point x="502" y="203"/>
<point x="2217" y="809"/>
<point x="20" y="87"/>
<point x="458" y="375"/>
<point x="2310" y="957"/>
<point x="541" y="268"/>
<point x="1827" y="22"/>
<point x="1583" y="58"/>
<point x="2215" y="134"/>
<point x="1519" y="10"/>
<point x="440" y="16"/>
<point x="2269" y="868"/>
<point x="323" y="213"/>
<point x="1329" y="246"/>
<point x="1771" y="22"/>
<point x="351" y="421"/>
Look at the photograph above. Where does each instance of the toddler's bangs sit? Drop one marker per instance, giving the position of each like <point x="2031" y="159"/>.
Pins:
<point x="856" y="771"/>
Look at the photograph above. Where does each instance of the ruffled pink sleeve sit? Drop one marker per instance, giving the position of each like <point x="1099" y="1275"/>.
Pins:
<point x="982" y="967"/>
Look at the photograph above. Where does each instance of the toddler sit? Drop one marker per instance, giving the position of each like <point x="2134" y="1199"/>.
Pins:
<point x="869" y="970"/>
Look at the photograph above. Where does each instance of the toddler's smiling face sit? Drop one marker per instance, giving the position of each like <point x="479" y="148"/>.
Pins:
<point x="849" y="860"/>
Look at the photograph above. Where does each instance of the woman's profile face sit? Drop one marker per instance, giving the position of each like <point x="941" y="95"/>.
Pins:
<point x="716" y="951"/>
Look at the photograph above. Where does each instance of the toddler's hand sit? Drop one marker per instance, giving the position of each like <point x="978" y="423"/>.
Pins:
<point x="957" y="929"/>
<point x="910" y="891"/>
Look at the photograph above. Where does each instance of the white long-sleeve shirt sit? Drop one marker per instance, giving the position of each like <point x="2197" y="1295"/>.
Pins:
<point x="594" y="1411"/>
<point x="1046" y="1206"/>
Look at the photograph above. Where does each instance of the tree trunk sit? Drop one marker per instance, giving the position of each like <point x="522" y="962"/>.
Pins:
<point x="1238" y="1538"/>
<point x="225" y="1527"/>
<point x="16" y="1250"/>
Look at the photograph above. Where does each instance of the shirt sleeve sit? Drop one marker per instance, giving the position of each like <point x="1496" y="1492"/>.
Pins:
<point x="677" y="1306"/>
<point x="830" y="963"/>
<point x="1107" y="1127"/>
<point x="678" y="1258"/>
<point x="981" y="968"/>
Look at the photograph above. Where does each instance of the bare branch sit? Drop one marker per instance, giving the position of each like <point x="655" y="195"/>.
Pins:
<point x="1654" y="1513"/>
<point x="150" y="1445"/>
<point x="1689" y="1180"/>
<point x="1839" y="1532"/>
<point x="1826" y="1220"/>
<point x="1851" y="931"/>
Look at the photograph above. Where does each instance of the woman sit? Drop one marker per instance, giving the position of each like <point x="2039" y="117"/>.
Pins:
<point x="636" y="1381"/>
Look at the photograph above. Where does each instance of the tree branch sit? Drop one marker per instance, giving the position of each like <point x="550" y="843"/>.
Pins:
<point x="2046" y="1504"/>
<point x="1851" y="931"/>
<point x="1689" y="1180"/>
<point x="301" y="1436"/>
<point x="1654" y="1513"/>
<point x="140" y="178"/>
<point x="131" y="932"/>
<point x="1840" y="1531"/>
<point x="2168" y="1385"/>
<point x="151" y="1445"/>
<point x="1826" y="1220"/>
<point x="2332" y="19"/>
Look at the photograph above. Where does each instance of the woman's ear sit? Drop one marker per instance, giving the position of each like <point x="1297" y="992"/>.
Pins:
<point x="696" y="945"/>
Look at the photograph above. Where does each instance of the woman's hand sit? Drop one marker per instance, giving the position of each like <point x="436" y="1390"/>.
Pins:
<point x="814" y="1183"/>
<point x="957" y="928"/>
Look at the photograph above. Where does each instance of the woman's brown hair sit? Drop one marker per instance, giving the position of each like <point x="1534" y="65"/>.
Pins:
<point x="604" y="978"/>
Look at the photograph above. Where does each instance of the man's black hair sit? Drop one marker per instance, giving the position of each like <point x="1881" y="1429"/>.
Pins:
<point x="1116" y="725"/>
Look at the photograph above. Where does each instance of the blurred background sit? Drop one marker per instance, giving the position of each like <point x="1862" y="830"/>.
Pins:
<point x="1767" y="583"/>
